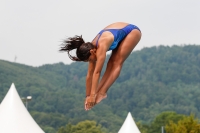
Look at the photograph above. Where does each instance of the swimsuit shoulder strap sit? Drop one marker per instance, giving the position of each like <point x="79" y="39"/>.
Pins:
<point x="100" y="33"/>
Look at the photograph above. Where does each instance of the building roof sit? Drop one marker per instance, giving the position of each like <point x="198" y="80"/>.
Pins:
<point x="129" y="125"/>
<point x="14" y="117"/>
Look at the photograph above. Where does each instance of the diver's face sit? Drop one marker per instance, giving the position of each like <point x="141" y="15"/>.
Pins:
<point x="93" y="57"/>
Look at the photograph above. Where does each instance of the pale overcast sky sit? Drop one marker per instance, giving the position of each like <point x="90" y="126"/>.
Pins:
<point x="32" y="30"/>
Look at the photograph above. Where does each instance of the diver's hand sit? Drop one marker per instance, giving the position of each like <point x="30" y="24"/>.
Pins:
<point x="90" y="102"/>
<point x="86" y="102"/>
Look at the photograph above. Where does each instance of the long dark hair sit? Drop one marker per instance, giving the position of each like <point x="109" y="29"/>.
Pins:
<point x="82" y="48"/>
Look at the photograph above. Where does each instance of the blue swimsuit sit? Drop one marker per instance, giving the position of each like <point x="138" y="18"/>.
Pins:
<point x="119" y="34"/>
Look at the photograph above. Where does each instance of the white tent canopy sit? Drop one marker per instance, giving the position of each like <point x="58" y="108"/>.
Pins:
<point x="129" y="125"/>
<point x="14" y="117"/>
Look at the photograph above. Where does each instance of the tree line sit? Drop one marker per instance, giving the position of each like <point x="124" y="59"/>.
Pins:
<point x="153" y="80"/>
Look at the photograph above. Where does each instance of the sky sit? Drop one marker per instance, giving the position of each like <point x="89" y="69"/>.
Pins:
<point x="32" y="31"/>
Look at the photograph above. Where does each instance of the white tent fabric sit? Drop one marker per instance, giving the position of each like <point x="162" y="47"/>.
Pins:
<point x="14" y="117"/>
<point x="129" y="125"/>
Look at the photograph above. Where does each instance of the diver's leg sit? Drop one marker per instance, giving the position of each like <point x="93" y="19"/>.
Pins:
<point x="116" y="61"/>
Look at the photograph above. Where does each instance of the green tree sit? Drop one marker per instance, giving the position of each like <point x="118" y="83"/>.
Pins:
<point x="81" y="127"/>
<point x="163" y="119"/>
<point x="188" y="124"/>
<point x="142" y="127"/>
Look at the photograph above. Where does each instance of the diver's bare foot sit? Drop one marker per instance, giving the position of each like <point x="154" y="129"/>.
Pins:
<point x="100" y="97"/>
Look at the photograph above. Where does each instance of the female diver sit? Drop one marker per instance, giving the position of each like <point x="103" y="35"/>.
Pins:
<point x="119" y="37"/>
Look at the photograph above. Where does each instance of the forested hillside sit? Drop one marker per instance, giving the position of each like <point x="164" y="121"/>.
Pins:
<point x="153" y="80"/>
